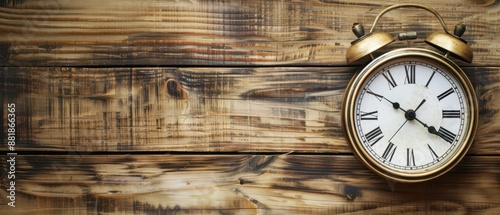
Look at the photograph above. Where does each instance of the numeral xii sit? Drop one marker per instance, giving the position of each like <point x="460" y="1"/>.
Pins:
<point x="410" y="74"/>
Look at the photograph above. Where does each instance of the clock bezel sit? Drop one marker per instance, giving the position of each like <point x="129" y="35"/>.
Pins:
<point x="356" y="85"/>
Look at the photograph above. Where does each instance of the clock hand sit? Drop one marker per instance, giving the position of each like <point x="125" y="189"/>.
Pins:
<point x="410" y="114"/>
<point x="430" y="129"/>
<point x="420" y="105"/>
<point x="395" y="105"/>
<point x="398" y="130"/>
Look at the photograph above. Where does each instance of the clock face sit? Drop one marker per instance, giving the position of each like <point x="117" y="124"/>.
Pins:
<point x="412" y="116"/>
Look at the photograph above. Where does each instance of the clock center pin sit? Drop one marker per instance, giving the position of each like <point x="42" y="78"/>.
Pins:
<point x="410" y="115"/>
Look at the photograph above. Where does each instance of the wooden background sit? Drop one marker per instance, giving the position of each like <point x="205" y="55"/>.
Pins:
<point x="218" y="107"/>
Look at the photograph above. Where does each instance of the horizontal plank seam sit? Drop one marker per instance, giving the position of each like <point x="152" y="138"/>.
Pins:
<point x="194" y="66"/>
<point x="214" y="66"/>
<point x="84" y="153"/>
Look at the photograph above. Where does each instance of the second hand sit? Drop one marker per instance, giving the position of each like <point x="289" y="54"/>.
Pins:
<point x="398" y="130"/>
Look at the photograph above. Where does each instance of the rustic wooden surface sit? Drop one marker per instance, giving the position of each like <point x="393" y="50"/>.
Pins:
<point x="219" y="32"/>
<point x="287" y="109"/>
<point x="240" y="117"/>
<point x="244" y="184"/>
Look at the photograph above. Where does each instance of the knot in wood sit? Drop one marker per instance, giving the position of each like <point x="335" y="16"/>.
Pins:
<point x="175" y="89"/>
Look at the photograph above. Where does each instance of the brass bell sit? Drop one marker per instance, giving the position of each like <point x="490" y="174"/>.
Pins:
<point x="452" y="44"/>
<point x="369" y="43"/>
<point x="366" y="44"/>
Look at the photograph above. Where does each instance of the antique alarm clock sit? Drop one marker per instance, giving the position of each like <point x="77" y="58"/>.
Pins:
<point x="410" y="114"/>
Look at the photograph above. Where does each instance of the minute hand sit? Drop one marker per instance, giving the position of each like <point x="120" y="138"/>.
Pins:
<point x="395" y="105"/>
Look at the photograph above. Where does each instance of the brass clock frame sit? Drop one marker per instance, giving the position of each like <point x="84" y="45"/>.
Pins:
<point x="451" y="45"/>
<point x="356" y="86"/>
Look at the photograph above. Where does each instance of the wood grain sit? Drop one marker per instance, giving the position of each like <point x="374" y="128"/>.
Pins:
<point x="256" y="184"/>
<point x="200" y="109"/>
<point x="241" y="117"/>
<point x="248" y="32"/>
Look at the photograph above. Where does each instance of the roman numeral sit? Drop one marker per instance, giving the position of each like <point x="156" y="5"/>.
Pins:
<point x="410" y="157"/>
<point x="446" y="135"/>
<point x="369" y="115"/>
<point x="389" y="151"/>
<point x="429" y="81"/>
<point x="410" y="74"/>
<point x="388" y="76"/>
<point x="445" y="93"/>
<point x="451" y="114"/>
<point x="379" y="97"/>
<point x="433" y="153"/>
<point x="374" y="136"/>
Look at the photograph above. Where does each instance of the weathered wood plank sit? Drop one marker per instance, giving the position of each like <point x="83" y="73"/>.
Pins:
<point x="199" y="109"/>
<point x="274" y="184"/>
<point x="248" y="32"/>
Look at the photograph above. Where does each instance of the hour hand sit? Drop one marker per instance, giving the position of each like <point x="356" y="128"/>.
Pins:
<point x="430" y="129"/>
<point x="420" y="105"/>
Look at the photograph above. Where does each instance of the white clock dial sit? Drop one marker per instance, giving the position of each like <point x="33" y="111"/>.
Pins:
<point x="410" y="115"/>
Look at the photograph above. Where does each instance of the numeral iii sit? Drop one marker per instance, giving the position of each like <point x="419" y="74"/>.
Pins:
<point x="451" y="114"/>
